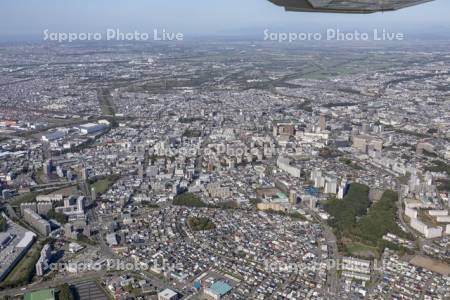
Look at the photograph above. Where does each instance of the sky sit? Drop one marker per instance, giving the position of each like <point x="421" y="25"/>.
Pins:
<point x="201" y="17"/>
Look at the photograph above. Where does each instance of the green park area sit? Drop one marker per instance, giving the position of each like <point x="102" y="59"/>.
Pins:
<point x="188" y="199"/>
<point x="65" y="292"/>
<point x="102" y="185"/>
<point x="360" y="225"/>
<point x="105" y="101"/>
<point x="24" y="198"/>
<point x="201" y="224"/>
<point x="443" y="184"/>
<point x="439" y="166"/>
<point x="345" y="212"/>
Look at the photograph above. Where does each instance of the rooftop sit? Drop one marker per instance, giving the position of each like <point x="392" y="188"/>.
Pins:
<point x="26" y="240"/>
<point x="220" y="288"/>
<point x="168" y="293"/>
<point x="41" y="295"/>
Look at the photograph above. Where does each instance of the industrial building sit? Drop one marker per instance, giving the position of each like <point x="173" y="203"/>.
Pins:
<point x="14" y="244"/>
<point x="91" y="128"/>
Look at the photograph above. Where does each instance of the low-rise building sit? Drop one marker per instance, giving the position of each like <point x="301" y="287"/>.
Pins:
<point x="168" y="294"/>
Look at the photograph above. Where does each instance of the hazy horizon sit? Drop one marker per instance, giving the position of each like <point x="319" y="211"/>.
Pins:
<point x="29" y="18"/>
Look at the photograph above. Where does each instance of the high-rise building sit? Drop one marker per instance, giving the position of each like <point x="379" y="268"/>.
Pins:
<point x="330" y="185"/>
<point x="87" y="231"/>
<point x="315" y="173"/>
<point x="414" y="182"/>
<point x="36" y="221"/>
<point x="141" y="171"/>
<point x="323" y="122"/>
<point x="32" y="206"/>
<point x="319" y="182"/>
<point x="80" y="204"/>
<point x="362" y="143"/>
<point x="284" y="164"/>
<point x="69" y="175"/>
<point x="343" y="188"/>
<point x="47" y="167"/>
<point x="44" y="207"/>
<point x="60" y="171"/>
<point x="93" y="194"/>
<point x="84" y="174"/>
<point x="365" y="128"/>
<point x="293" y="197"/>
<point x="42" y="263"/>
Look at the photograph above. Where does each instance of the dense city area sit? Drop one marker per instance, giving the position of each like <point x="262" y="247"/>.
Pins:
<point x="225" y="170"/>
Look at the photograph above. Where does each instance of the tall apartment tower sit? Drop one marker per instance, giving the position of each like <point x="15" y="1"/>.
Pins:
<point x="84" y="174"/>
<point x="48" y="165"/>
<point x="323" y="122"/>
<point x="293" y="197"/>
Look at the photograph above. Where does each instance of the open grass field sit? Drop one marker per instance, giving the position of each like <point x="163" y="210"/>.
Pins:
<point x="361" y="250"/>
<point x="102" y="185"/>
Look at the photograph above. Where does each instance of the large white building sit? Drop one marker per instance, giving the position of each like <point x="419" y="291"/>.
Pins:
<point x="356" y="268"/>
<point x="49" y="198"/>
<point x="167" y="294"/>
<point x="72" y="206"/>
<point x="91" y="128"/>
<point x="53" y="136"/>
<point x="343" y="188"/>
<point x="330" y="185"/>
<point x="284" y="164"/>
<point x="440" y="215"/>
<point x="15" y="243"/>
<point x="42" y="264"/>
<point x="35" y="220"/>
<point x="427" y="231"/>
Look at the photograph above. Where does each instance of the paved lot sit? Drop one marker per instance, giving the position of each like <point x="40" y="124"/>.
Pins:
<point x="89" y="290"/>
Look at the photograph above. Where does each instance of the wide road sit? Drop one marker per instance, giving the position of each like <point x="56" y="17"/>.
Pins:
<point x="332" y="275"/>
<point x="53" y="283"/>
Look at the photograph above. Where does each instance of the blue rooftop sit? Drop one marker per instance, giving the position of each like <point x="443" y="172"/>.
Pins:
<point x="312" y="190"/>
<point x="197" y="285"/>
<point x="220" y="288"/>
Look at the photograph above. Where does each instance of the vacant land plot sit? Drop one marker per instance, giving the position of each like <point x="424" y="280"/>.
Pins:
<point x="431" y="264"/>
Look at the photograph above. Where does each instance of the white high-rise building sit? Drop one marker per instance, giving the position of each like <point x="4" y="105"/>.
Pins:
<point x="330" y="185"/>
<point x="315" y="173"/>
<point x="80" y="204"/>
<point x="319" y="182"/>
<point x="342" y="189"/>
<point x="42" y="264"/>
